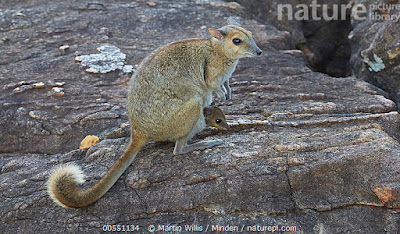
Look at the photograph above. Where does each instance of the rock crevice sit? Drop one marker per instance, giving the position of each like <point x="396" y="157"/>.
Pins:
<point x="303" y="149"/>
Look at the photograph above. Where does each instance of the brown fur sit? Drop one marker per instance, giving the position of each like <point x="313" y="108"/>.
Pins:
<point x="214" y="113"/>
<point x="166" y="98"/>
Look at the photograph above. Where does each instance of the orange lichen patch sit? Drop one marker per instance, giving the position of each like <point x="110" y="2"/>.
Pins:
<point x="88" y="142"/>
<point x="195" y="179"/>
<point x="389" y="197"/>
<point x="383" y="193"/>
<point x="231" y="5"/>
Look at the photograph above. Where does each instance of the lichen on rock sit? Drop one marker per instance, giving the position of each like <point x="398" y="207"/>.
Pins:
<point x="109" y="59"/>
<point x="376" y="66"/>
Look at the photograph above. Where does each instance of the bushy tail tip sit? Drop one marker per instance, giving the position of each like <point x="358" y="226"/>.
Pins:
<point x="61" y="178"/>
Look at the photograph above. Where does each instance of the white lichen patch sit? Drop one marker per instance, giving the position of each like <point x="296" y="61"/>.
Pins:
<point x="57" y="91"/>
<point x="376" y="66"/>
<point x="109" y="59"/>
<point x="127" y="68"/>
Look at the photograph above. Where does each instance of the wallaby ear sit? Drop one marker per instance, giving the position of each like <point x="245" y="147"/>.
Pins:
<point x="207" y="111"/>
<point x="216" y="34"/>
<point x="232" y="20"/>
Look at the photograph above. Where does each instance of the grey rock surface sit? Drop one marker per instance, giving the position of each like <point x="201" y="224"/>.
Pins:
<point x="304" y="149"/>
<point x="376" y="46"/>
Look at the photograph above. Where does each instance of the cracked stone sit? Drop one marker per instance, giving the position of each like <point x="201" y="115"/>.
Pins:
<point x="304" y="148"/>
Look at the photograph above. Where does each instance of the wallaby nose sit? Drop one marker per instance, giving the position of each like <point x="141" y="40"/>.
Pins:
<point x="259" y="52"/>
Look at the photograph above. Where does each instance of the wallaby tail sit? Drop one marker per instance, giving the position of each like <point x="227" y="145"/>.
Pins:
<point x="63" y="181"/>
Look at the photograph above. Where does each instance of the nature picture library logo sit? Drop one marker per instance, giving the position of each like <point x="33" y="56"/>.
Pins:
<point x="378" y="12"/>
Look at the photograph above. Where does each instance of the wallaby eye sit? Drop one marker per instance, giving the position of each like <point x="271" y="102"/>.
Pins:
<point x="218" y="121"/>
<point x="236" y="41"/>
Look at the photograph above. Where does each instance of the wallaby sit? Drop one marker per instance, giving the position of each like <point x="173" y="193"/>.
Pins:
<point x="166" y="97"/>
<point x="224" y="92"/>
<point x="215" y="117"/>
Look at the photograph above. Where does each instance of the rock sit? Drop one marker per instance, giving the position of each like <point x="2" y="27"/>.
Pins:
<point x="152" y="4"/>
<point x="56" y="91"/>
<point x="64" y="48"/>
<point x="304" y="151"/>
<point x="376" y="47"/>
<point x="324" y="41"/>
